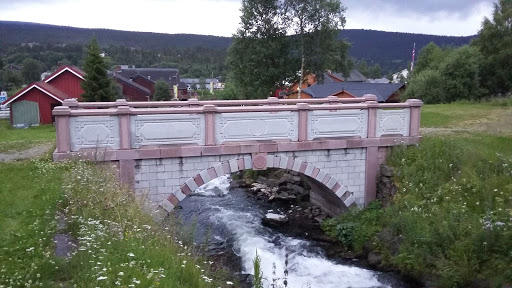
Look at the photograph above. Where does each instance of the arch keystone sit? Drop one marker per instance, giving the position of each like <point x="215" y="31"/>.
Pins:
<point x="259" y="161"/>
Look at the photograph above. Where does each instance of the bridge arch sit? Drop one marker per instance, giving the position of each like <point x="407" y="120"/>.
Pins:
<point x="258" y="161"/>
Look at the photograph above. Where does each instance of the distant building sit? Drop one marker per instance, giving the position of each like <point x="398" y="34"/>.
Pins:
<point x="196" y="83"/>
<point x="147" y="77"/>
<point x="385" y="92"/>
<point x="31" y="44"/>
<point x="131" y="90"/>
<point x="380" y="80"/>
<point x="328" y="77"/>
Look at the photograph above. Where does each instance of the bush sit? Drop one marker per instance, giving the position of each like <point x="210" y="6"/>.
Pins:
<point x="356" y="227"/>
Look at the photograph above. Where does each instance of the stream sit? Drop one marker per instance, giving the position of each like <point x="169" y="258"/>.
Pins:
<point x="232" y="221"/>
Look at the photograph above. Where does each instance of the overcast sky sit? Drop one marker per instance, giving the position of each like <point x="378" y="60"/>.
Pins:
<point x="221" y="17"/>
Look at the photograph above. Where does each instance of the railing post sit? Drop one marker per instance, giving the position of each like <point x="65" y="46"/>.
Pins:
<point x="123" y="111"/>
<point x="273" y="101"/>
<point x="414" y="128"/>
<point x="303" y="121"/>
<point x="193" y="102"/>
<point x="71" y="103"/>
<point x="209" y="111"/>
<point x="333" y="100"/>
<point x="62" y="114"/>
<point x="371" y="102"/>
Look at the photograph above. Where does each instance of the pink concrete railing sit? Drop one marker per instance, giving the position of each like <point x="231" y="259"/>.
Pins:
<point x="75" y="116"/>
<point x="73" y="104"/>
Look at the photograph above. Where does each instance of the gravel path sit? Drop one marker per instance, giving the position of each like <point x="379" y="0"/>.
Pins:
<point x="25" y="154"/>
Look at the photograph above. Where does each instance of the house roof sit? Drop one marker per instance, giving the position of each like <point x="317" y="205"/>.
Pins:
<point x="141" y="77"/>
<point x="382" y="91"/>
<point x="73" y="69"/>
<point x="133" y="84"/>
<point x="43" y="87"/>
<point x="169" y="75"/>
<point x="355" y="76"/>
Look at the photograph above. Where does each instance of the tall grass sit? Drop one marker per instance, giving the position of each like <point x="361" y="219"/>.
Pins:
<point x="120" y="244"/>
<point x="452" y="214"/>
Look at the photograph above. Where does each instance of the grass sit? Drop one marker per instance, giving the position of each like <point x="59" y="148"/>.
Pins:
<point x="453" y="210"/>
<point x="465" y="115"/>
<point x="119" y="244"/>
<point x="28" y="197"/>
<point x="12" y="139"/>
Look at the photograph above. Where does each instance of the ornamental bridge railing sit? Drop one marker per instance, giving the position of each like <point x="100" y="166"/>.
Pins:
<point x="120" y="128"/>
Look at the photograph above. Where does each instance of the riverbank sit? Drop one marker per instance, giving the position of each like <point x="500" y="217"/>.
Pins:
<point x="450" y="222"/>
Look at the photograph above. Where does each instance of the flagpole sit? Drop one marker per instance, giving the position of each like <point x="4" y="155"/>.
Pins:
<point x="413" y="54"/>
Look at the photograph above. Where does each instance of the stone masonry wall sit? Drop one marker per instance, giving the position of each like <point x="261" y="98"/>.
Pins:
<point x="159" y="177"/>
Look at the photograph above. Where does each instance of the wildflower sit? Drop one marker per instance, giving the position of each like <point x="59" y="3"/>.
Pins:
<point x="229" y="282"/>
<point x="101" y="278"/>
<point x="131" y="255"/>
<point x="120" y="273"/>
<point x="30" y="249"/>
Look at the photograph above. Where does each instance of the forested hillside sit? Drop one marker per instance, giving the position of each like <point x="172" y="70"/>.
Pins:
<point x="390" y="50"/>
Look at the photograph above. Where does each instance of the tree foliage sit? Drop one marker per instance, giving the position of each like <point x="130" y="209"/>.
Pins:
<point x="31" y="70"/>
<point x="262" y="57"/>
<point x="375" y="71"/>
<point x="468" y="72"/>
<point x="316" y="24"/>
<point x="162" y="91"/>
<point x="461" y="74"/>
<point x="258" y="59"/>
<point x="495" y="43"/>
<point x="454" y="78"/>
<point x="97" y="85"/>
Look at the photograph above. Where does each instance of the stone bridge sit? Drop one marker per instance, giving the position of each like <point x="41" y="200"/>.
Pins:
<point x="168" y="149"/>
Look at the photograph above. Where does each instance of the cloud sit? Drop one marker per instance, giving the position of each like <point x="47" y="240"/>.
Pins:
<point x="423" y="7"/>
<point x="214" y="17"/>
<point x="438" y="17"/>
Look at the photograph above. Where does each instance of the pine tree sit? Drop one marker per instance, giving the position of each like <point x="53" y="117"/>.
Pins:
<point x="97" y="85"/>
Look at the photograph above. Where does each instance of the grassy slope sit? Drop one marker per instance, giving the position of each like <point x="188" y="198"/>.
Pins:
<point x="19" y="139"/>
<point x="119" y="243"/>
<point x="453" y="210"/>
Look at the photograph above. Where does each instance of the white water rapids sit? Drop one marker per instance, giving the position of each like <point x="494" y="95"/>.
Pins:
<point x="307" y="267"/>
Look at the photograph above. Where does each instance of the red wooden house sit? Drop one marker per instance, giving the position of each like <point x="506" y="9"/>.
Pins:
<point x="34" y="104"/>
<point x="131" y="90"/>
